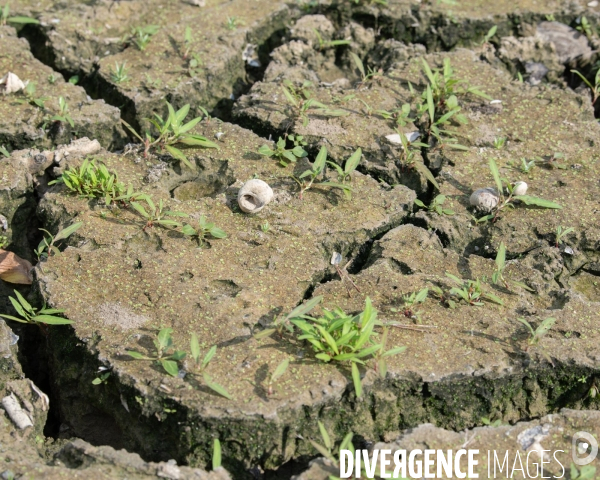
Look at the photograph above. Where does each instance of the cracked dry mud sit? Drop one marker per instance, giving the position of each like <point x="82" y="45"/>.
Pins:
<point x="121" y="283"/>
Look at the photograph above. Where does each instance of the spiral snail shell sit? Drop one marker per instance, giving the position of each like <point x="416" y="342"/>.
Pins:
<point x="484" y="199"/>
<point x="254" y="195"/>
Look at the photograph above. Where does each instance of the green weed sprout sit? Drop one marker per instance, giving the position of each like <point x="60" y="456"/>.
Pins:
<point x="526" y="166"/>
<point x="340" y="338"/>
<point x="536" y="335"/>
<point x="265" y="227"/>
<point x="163" y="345"/>
<point x="173" y="131"/>
<point x="283" y="154"/>
<point x="369" y="73"/>
<point x="156" y="214"/>
<point x="436" y="205"/>
<point x="490" y="34"/>
<point x="303" y="105"/>
<point x="329" y="43"/>
<point x="3" y="241"/>
<point x="119" y="73"/>
<point x="47" y="246"/>
<point x="471" y="291"/>
<point x="498" y="275"/>
<point x="585" y="27"/>
<point x="100" y="379"/>
<point x="33" y="315"/>
<point x="326" y="449"/>
<point x="408" y="157"/>
<point x="283" y="325"/>
<point x="4" y="151"/>
<point x="410" y="301"/>
<point x="276" y="375"/>
<point x="307" y="178"/>
<point x="205" y="228"/>
<point x="32" y="99"/>
<point x="562" y="232"/>
<point x="19" y="20"/>
<point x="141" y="36"/>
<point x="201" y="363"/>
<point x="504" y="201"/>
<point x="63" y="113"/>
<point x="499" y="142"/>
<point x="350" y="165"/>
<point x="92" y="181"/>
<point x="595" y="88"/>
<point x="233" y="23"/>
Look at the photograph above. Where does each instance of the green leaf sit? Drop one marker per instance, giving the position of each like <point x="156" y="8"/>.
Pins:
<point x="539" y="202"/>
<point x="289" y="96"/>
<point x="266" y="151"/>
<point x="356" y="380"/>
<point x="319" y="164"/>
<point x="197" y="141"/>
<point x="493" y="298"/>
<point x="421" y="296"/>
<point x="322" y="450"/>
<point x="325" y="436"/>
<point x="170" y="367"/>
<point x="24" y="302"/>
<point x="179" y="155"/>
<point x="304" y="308"/>
<point x="501" y="256"/>
<point x="217" y="232"/>
<point x="323" y="356"/>
<point x="164" y="337"/>
<point x="195" y="347"/>
<point x="393" y="351"/>
<point x="280" y="370"/>
<point x="496" y="175"/>
<point x="368" y="351"/>
<point x="216" y="457"/>
<point x="22" y="20"/>
<point x="426" y="173"/>
<point x="353" y="161"/>
<point x="430" y="104"/>
<point x="67" y="232"/>
<point x="138" y="208"/>
<point x="428" y="72"/>
<point x="544" y="327"/>
<point x="136" y="355"/>
<point x="265" y="333"/>
<point x="188" y="126"/>
<point x="52" y="320"/>
<point x="209" y="356"/>
<point x="188" y="230"/>
<point x="216" y="387"/>
<point x="359" y="64"/>
<point x="10" y="317"/>
<point x="527" y="324"/>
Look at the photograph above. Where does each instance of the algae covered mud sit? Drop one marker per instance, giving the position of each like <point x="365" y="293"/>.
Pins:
<point x="238" y="236"/>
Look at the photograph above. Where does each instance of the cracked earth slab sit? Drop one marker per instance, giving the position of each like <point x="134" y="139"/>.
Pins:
<point x="23" y="124"/>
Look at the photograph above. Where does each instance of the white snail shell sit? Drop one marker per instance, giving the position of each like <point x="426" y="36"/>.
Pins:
<point x="484" y="199"/>
<point x="12" y="83"/>
<point x="520" y="188"/>
<point x="254" y="195"/>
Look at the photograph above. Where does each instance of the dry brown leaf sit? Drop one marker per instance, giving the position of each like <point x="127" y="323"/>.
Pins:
<point x="14" y="269"/>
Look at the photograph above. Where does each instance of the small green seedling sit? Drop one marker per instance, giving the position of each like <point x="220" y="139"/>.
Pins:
<point x="283" y="154"/>
<point x="100" y="379"/>
<point x="216" y="456"/>
<point x="19" y="20"/>
<point x="499" y="142"/>
<point x="381" y="366"/>
<point x="233" y="23"/>
<point x="327" y="448"/>
<point x="369" y="73"/>
<point x="74" y="80"/>
<point x="489" y="35"/>
<point x="31" y="98"/>
<point x="3" y="241"/>
<point x="526" y="166"/>
<point x="443" y="297"/>
<point x="498" y="275"/>
<point x="173" y="131"/>
<point x="52" y="78"/>
<point x="324" y="44"/>
<point x="187" y="42"/>
<point x="34" y="315"/>
<point x="276" y="375"/>
<point x="283" y="325"/>
<point x="340" y="338"/>
<point x="587" y="472"/>
<point x="265" y="227"/>
<point x="4" y="151"/>
<point x="507" y="201"/>
<point x="350" y="165"/>
<point x="205" y="228"/>
<point x="163" y="345"/>
<point x="303" y="106"/>
<point x="595" y="88"/>
<point x="585" y="27"/>
<point x="119" y="73"/>
<point x="202" y="363"/>
<point x="141" y="36"/>
<point x="409" y="303"/>
<point x="47" y="246"/>
<point x="155" y="215"/>
<point x="472" y="292"/>
<point x="536" y="335"/>
<point x="562" y="232"/>
<point x="63" y="113"/>
<point x="307" y="178"/>
<point x="92" y="181"/>
<point x="436" y="205"/>
<point x="489" y="423"/>
<point x="408" y="157"/>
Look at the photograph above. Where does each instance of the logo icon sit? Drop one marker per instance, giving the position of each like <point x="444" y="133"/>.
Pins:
<point x="584" y="443"/>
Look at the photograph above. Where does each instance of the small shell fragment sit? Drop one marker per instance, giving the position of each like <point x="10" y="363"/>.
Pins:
<point x="254" y="195"/>
<point x="336" y="258"/>
<point x="485" y="199"/>
<point x="14" y="269"/>
<point x="12" y="83"/>
<point x="520" y="188"/>
<point x="16" y="412"/>
<point x="495" y="102"/>
<point x="395" y="137"/>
